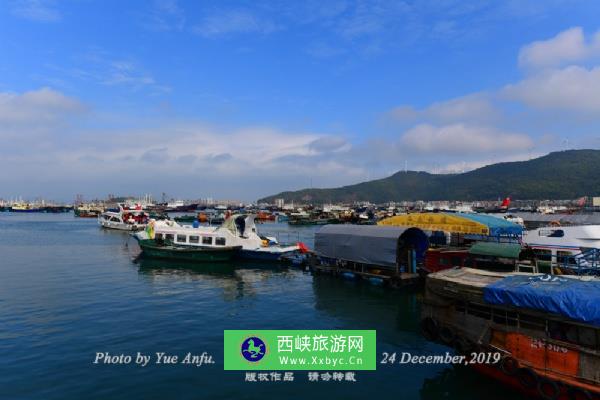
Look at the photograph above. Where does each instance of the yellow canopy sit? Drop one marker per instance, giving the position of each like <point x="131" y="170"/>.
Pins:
<point x="453" y="223"/>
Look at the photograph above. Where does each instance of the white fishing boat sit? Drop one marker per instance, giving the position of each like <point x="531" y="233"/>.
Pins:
<point x="124" y="219"/>
<point x="237" y="230"/>
<point x="560" y="244"/>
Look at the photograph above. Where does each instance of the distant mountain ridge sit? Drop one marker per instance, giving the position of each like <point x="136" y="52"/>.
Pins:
<point x="558" y="175"/>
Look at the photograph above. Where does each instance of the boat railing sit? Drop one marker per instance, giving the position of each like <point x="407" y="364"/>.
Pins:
<point x="585" y="263"/>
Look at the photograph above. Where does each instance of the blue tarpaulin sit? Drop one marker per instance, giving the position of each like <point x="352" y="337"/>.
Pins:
<point x="498" y="226"/>
<point x="573" y="298"/>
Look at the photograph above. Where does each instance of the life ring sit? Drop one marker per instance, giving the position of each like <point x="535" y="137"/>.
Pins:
<point x="446" y="335"/>
<point x="429" y="328"/>
<point x="548" y="389"/>
<point x="509" y="365"/>
<point x="527" y="378"/>
<point x="576" y="393"/>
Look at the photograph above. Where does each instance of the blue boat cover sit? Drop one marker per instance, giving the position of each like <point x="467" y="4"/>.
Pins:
<point x="498" y="226"/>
<point x="568" y="297"/>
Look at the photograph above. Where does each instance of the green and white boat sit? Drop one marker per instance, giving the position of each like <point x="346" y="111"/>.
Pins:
<point x="167" y="250"/>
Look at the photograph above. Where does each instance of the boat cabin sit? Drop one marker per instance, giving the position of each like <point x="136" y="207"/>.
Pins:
<point x="194" y="239"/>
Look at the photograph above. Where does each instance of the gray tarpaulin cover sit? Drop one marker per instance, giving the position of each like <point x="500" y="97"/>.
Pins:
<point x="368" y="244"/>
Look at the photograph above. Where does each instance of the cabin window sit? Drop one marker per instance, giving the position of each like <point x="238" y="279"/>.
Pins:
<point x="565" y="257"/>
<point x="531" y="322"/>
<point x="181" y="238"/>
<point x="587" y="337"/>
<point x="169" y="236"/>
<point x="158" y="236"/>
<point x="443" y="261"/>
<point x="504" y="317"/>
<point x="194" y="239"/>
<point x="551" y="232"/>
<point x="114" y="219"/>
<point x="479" y="311"/>
<point x="207" y="240"/>
<point x="456" y="261"/>
<point x="570" y="333"/>
<point x="544" y="255"/>
<point x="220" y="241"/>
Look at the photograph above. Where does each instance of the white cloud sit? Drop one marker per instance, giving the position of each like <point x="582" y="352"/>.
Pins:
<point x="35" y="106"/>
<point x="165" y="15"/>
<point x="36" y="10"/>
<point x="234" y="21"/>
<point x="568" y="46"/>
<point x="573" y="88"/>
<point x="472" y="107"/>
<point x="329" y="144"/>
<point x="461" y="139"/>
<point x="104" y="68"/>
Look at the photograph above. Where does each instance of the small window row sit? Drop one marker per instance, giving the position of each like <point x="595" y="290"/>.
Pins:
<point x="192" y="239"/>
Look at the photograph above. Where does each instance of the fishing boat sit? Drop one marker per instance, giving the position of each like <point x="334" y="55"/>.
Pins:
<point x="88" y="210"/>
<point x="535" y="333"/>
<point x="168" y="250"/>
<point x="124" y="219"/>
<point x="180" y="206"/>
<point x="24" y="207"/>
<point x="236" y="230"/>
<point x="202" y="217"/>
<point x="55" y="209"/>
<point x="186" y="218"/>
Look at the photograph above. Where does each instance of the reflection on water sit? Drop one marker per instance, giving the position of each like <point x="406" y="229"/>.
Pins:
<point x="236" y="278"/>
<point x="368" y="306"/>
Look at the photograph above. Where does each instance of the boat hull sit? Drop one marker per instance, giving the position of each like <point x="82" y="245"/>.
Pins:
<point x="122" y="227"/>
<point x="261" y="255"/>
<point x="194" y="254"/>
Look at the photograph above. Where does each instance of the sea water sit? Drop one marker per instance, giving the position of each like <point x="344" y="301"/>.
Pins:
<point x="70" y="291"/>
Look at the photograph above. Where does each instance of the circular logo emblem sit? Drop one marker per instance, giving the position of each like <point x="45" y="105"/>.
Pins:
<point x="253" y="349"/>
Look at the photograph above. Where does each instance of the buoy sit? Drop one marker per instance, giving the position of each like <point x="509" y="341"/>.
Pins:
<point x="527" y="377"/>
<point x="348" y="275"/>
<point x="548" y="389"/>
<point x="509" y="365"/>
<point x="376" y="281"/>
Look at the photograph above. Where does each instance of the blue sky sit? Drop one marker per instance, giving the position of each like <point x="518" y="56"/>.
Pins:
<point x="243" y="99"/>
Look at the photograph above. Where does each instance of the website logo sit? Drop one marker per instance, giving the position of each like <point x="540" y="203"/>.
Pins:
<point x="299" y="350"/>
<point x="253" y="349"/>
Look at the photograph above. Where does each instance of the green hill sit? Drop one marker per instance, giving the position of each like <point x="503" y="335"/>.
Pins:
<point x="560" y="175"/>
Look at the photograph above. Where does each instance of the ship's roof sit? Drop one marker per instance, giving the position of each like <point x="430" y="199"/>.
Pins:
<point x="493" y="249"/>
<point x="467" y="223"/>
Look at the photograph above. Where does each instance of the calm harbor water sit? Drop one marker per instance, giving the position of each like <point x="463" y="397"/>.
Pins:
<point x="69" y="289"/>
